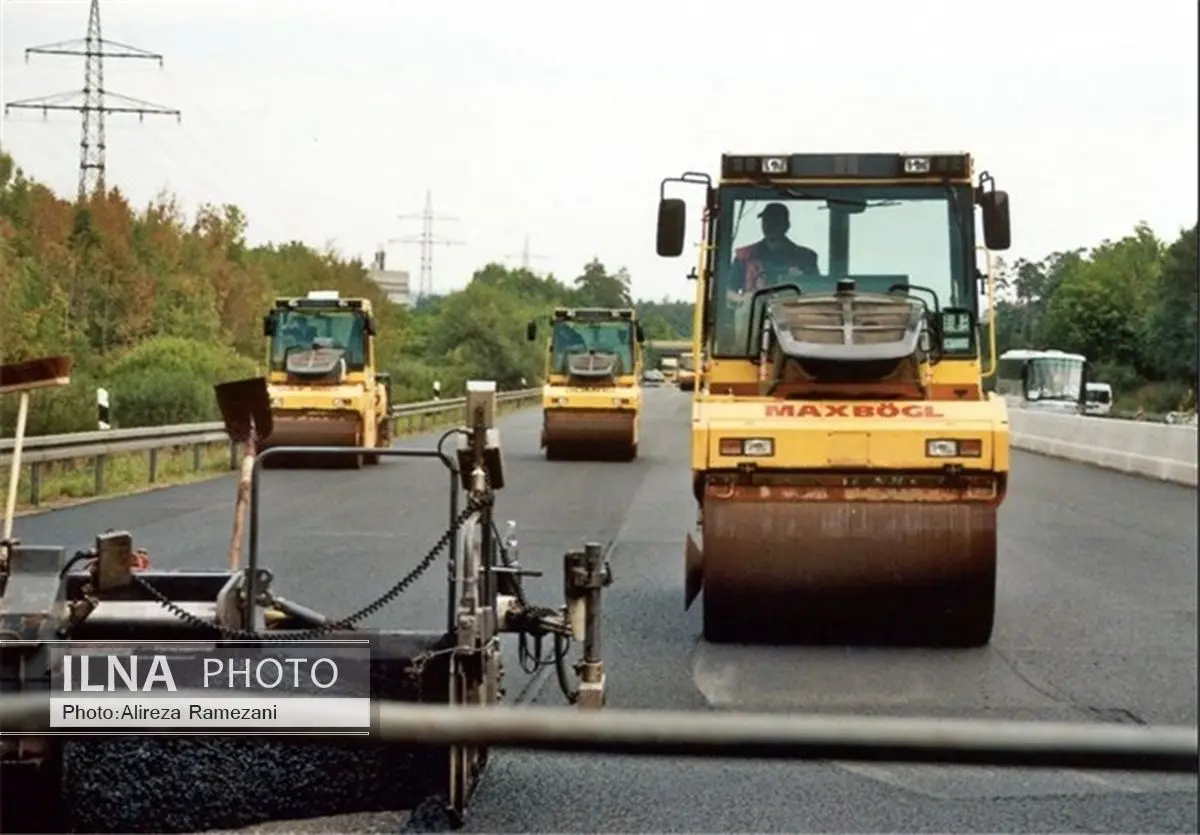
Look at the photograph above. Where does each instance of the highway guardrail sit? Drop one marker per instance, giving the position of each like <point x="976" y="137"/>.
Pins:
<point x="1155" y="450"/>
<point x="100" y="445"/>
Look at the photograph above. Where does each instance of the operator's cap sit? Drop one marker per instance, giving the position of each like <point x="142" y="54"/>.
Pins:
<point x="775" y="211"/>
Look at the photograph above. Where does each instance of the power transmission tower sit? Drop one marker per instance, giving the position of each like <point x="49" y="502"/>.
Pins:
<point x="427" y="242"/>
<point x="93" y="100"/>
<point x="526" y="256"/>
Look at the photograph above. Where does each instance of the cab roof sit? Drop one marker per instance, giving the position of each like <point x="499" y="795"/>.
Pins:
<point x="322" y="299"/>
<point x="594" y="313"/>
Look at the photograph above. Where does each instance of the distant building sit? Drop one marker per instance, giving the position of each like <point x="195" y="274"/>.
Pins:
<point x="392" y="282"/>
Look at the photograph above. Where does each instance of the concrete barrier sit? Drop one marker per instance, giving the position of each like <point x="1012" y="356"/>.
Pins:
<point x="1153" y="450"/>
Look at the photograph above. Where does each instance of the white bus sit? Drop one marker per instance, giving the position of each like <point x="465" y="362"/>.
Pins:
<point x="1050" y="381"/>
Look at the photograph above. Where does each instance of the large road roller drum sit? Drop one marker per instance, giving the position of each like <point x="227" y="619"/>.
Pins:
<point x="785" y="572"/>
<point x="594" y="433"/>
<point x="316" y="428"/>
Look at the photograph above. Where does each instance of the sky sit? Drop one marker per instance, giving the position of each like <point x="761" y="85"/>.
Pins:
<point x="325" y="121"/>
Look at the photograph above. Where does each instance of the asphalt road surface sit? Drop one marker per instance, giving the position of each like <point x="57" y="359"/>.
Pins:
<point x="1096" y="621"/>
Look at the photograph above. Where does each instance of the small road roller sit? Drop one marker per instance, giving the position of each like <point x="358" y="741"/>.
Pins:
<point x="324" y="384"/>
<point x="592" y="397"/>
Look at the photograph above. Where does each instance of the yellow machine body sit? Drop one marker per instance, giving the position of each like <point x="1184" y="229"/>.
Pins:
<point x="847" y="464"/>
<point x="592" y="396"/>
<point x="324" y="386"/>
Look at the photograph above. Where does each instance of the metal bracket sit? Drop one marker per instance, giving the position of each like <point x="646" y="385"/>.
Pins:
<point x="115" y="561"/>
<point x="585" y="574"/>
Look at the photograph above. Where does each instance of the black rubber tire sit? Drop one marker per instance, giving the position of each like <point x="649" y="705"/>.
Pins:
<point x="719" y="627"/>
<point x="971" y="615"/>
<point x="31" y="798"/>
<point x="383" y="440"/>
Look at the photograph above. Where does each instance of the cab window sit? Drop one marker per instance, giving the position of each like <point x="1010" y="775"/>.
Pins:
<point x="912" y="236"/>
<point x="296" y="330"/>
<point x="585" y="337"/>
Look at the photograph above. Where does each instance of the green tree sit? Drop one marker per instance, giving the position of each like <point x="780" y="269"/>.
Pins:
<point x="168" y="380"/>
<point x="1098" y="303"/>
<point x="599" y="288"/>
<point x="1171" y="321"/>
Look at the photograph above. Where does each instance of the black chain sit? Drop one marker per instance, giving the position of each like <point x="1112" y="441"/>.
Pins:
<point x="474" y="505"/>
<point x="530" y="658"/>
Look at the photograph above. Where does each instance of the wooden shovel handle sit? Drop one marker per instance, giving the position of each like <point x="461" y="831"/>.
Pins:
<point x="243" y="501"/>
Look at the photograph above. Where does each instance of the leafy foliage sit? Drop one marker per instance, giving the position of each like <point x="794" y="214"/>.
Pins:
<point x="158" y="309"/>
<point x="167" y="380"/>
<point x="1129" y="306"/>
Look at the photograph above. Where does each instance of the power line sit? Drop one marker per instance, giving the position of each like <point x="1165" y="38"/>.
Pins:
<point x="93" y="100"/>
<point x="427" y="241"/>
<point x="526" y="256"/>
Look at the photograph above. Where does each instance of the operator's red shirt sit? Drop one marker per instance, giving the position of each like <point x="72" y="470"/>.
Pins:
<point x="750" y="263"/>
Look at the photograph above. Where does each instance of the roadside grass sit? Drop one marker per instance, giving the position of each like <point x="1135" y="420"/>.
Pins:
<point x="75" y="480"/>
<point x="1155" y="399"/>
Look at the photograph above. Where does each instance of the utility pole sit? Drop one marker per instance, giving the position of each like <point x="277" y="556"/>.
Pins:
<point x="526" y="256"/>
<point x="93" y="100"/>
<point x="427" y="241"/>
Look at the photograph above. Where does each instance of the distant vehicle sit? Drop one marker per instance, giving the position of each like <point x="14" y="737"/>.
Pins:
<point x="592" y="399"/>
<point x="323" y="376"/>
<point x="1098" y="399"/>
<point x="653" y="377"/>
<point x="686" y="376"/>
<point x="1047" y="381"/>
<point x="670" y="368"/>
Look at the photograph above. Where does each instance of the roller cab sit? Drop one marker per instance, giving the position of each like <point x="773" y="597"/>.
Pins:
<point x="592" y="398"/>
<point x="847" y="465"/>
<point x="324" y="386"/>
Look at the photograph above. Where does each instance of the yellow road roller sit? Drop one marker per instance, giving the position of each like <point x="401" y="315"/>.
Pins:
<point x="324" y="386"/>
<point x="847" y="464"/>
<point x="592" y="397"/>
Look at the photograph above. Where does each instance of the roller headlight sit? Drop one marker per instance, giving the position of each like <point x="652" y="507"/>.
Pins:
<point x="747" y="447"/>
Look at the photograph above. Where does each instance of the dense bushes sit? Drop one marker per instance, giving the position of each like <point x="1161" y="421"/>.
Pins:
<point x="169" y="380"/>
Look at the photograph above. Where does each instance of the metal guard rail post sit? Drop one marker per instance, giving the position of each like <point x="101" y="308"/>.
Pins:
<point x="42" y="449"/>
<point x="771" y="736"/>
